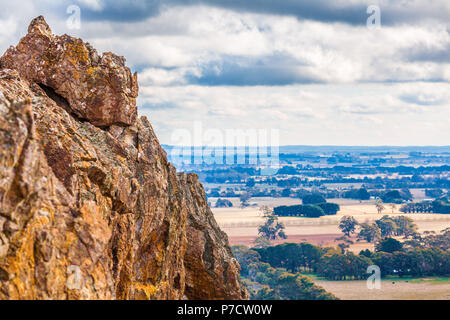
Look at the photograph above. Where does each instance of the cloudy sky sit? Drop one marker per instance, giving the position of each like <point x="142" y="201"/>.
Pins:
<point x="311" y="69"/>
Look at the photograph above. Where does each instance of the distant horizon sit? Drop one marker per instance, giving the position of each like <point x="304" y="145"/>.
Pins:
<point x="319" y="145"/>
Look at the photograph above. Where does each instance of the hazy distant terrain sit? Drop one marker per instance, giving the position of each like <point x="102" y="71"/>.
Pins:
<point x="366" y="183"/>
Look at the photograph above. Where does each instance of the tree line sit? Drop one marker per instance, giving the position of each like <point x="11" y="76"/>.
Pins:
<point x="314" y="206"/>
<point x="384" y="227"/>
<point x="429" y="256"/>
<point x="437" y="206"/>
<point x="265" y="282"/>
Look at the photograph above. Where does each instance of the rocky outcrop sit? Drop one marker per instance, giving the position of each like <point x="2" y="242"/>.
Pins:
<point x="100" y="89"/>
<point x="90" y="208"/>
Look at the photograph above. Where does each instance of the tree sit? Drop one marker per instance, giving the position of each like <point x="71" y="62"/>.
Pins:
<point x="298" y="287"/>
<point x="312" y="211"/>
<point x="387" y="226"/>
<point x="339" y="266"/>
<point x="329" y="208"/>
<point x="369" y="232"/>
<point x="393" y="207"/>
<point x="245" y="257"/>
<point x="393" y="196"/>
<point x="363" y="194"/>
<point x="441" y="206"/>
<point x="245" y="197"/>
<point x="348" y="225"/>
<point x="434" y="193"/>
<point x="405" y="226"/>
<point x="223" y="203"/>
<point x="261" y="242"/>
<point x="389" y="245"/>
<point x="266" y="293"/>
<point x="359" y="194"/>
<point x="266" y="211"/>
<point x="379" y="206"/>
<point x="308" y="210"/>
<point x="272" y="229"/>
<point x="344" y="243"/>
<point x="366" y="253"/>
<point x="406" y="194"/>
<point x="313" y="199"/>
<point x="250" y="183"/>
<point x="286" y="192"/>
<point x="441" y="241"/>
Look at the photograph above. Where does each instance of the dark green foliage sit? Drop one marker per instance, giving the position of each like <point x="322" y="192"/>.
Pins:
<point x="276" y="283"/>
<point x="272" y="229"/>
<point x="389" y="245"/>
<point x="430" y="240"/>
<point x="441" y="206"/>
<point x="286" y="192"/>
<point x="287" y="211"/>
<point x="358" y="194"/>
<point x="392" y="197"/>
<point x="292" y="256"/>
<point x="395" y="196"/>
<point x="344" y="266"/>
<point x="287" y="170"/>
<point x="245" y="257"/>
<point x="250" y="183"/>
<point x="329" y="208"/>
<point x="417" y="262"/>
<point x="223" y="203"/>
<point x="312" y="211"/>
<point x="297" y="287"/>
<point x="309" y="210"/>
<point x="367" y="253"/>
<point x="369" y="232"/>
<point x="437" y="206"/>
<point x="266" y="293"/>
<point x="387" y="226"/>
<point x="244" y="198"/>
<point x="434" y="193"/>
<point x="429" y="256"/>
<point x="405" y="226"/>
<point x="313" y="199"/>
<point x="348" y="225"/>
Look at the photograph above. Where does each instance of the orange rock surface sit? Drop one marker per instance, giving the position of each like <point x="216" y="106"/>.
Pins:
<point x="90" y="208"/>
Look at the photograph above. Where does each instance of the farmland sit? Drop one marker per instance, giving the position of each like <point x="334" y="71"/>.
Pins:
<point x="241" y="225"/>
<point x="430" y="288"/>
<point x="310" y="192"/>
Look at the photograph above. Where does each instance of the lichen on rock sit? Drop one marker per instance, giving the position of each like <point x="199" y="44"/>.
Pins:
<point x="90" y="208"/>
<point x="100" y="89"/>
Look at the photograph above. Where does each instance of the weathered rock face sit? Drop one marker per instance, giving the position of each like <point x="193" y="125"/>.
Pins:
<point x="100" y="89"/>
<point x="90" y="209"/>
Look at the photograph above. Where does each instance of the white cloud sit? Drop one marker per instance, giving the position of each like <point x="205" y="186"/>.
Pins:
<point x="365" y="114"/>
<point x="377" y="84"/>
<point x="95" y="5"/>
<point x="336" y="53"/>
